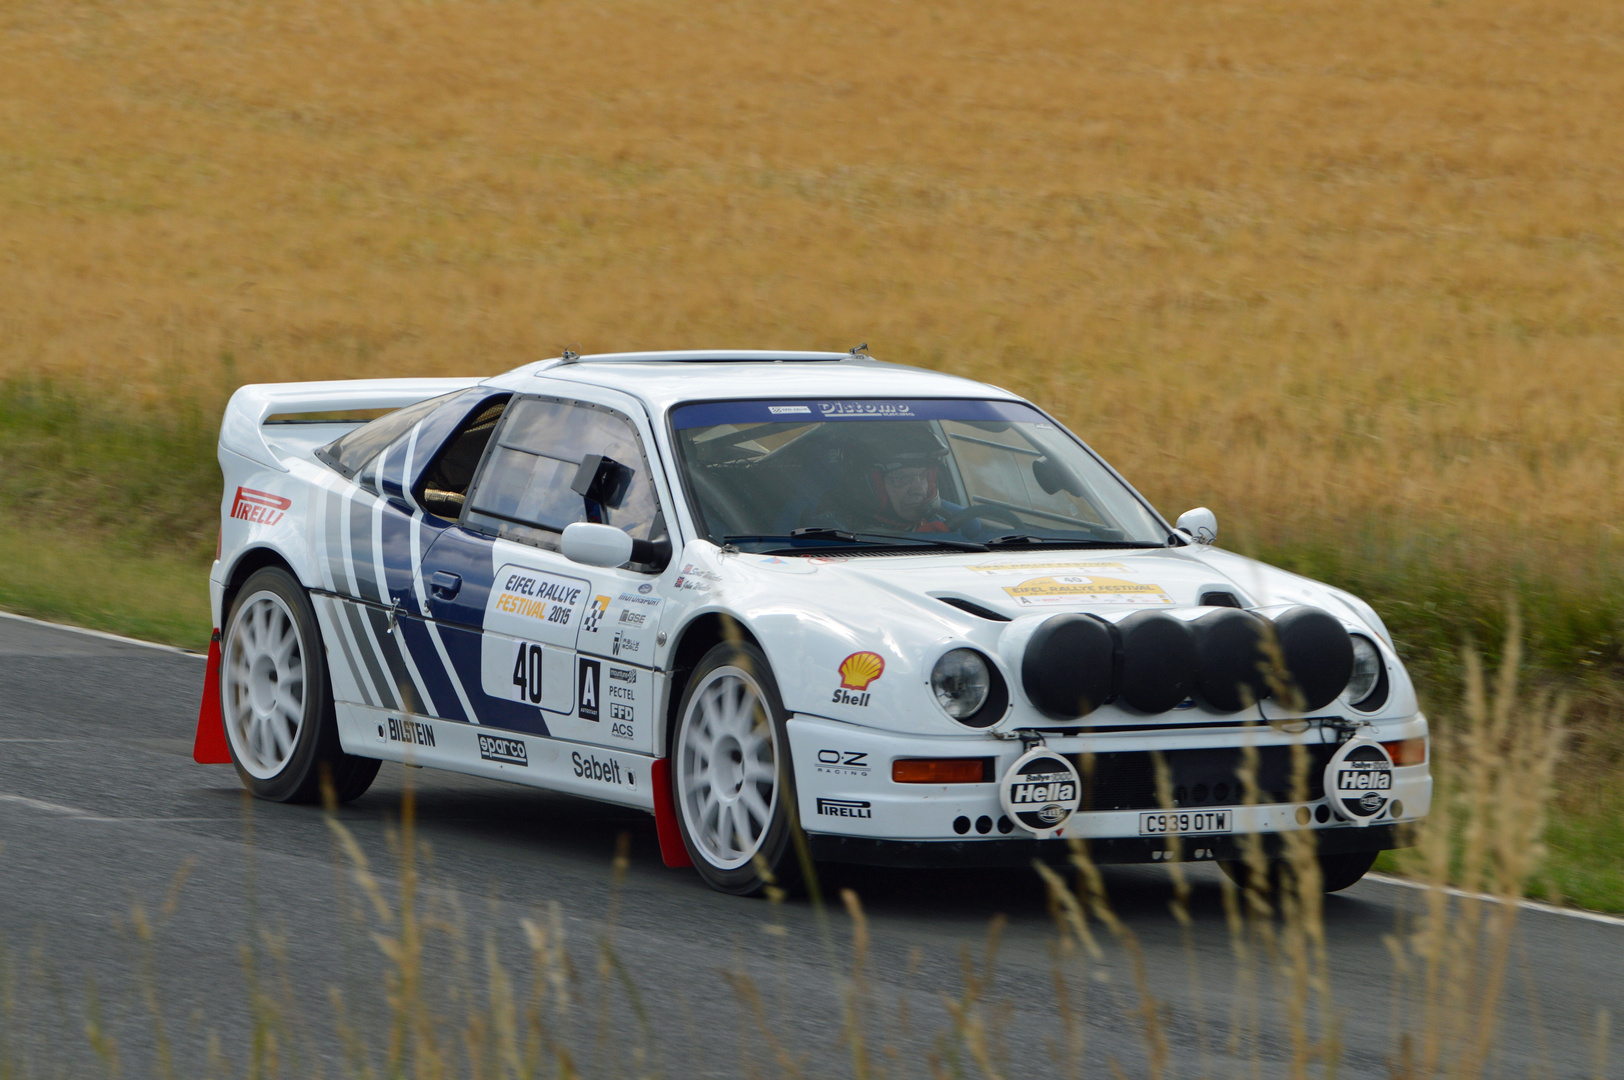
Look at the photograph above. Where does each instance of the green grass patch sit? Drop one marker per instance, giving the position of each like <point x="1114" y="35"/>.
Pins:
<point x="88" y="579"/>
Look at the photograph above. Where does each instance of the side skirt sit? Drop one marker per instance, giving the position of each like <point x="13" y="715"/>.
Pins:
<point x="595" y="772"/>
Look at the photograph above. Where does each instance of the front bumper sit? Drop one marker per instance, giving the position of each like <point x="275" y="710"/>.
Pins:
<point x="853" y="811"/>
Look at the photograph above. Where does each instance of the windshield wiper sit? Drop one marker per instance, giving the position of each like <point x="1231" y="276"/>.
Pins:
<point x="1014" y="540"/>
<point x="819" y="532"/>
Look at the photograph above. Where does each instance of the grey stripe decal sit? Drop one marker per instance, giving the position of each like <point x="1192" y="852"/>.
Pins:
<point x="349" y="657"/>
<point x="400" y="654"/>
<point x="365" y="643"/>
<point x="428" y="621"/>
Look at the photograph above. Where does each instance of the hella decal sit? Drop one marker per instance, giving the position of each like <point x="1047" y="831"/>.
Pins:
<point x="258" y="507"/>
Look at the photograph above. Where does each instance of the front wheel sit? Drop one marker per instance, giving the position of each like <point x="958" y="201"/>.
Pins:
<point x="275" y="700"/>
<point x="731" y="770"/>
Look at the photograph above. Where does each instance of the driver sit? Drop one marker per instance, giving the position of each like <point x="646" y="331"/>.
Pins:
<point x="898" y="470"/>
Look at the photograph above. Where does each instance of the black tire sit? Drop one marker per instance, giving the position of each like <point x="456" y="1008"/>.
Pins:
<point x="1337" y="871"/>
<point x="744" y="868"/>
<point x="280" y="723"/>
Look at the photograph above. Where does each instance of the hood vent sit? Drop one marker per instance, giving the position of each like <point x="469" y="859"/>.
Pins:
<point x="973" y="608"/>
<point x="1219" y="599"/>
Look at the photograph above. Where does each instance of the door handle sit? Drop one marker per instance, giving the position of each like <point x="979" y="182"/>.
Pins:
<point x="445" y="585"/>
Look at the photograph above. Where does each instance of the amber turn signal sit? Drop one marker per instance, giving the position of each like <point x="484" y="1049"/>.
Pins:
<point x="953" y="770"/>
<point x="1407" y="751"/>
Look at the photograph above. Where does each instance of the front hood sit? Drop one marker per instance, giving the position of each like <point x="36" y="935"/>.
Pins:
<point x="1030" y="583"/>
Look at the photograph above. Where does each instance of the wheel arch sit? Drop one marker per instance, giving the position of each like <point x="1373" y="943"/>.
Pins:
<point x="248" y="563"/>
<point x="699" y="636"/>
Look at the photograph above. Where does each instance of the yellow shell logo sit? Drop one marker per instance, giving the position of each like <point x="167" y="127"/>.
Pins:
<point x="859" y="669"/>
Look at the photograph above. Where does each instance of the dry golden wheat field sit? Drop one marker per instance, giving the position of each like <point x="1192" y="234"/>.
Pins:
<point x="1303" y="261"/>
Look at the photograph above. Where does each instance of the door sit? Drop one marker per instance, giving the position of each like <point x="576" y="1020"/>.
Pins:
<point x="551" y="647"/>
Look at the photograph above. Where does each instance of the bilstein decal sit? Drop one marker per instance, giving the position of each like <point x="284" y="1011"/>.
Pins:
<point x="1074" y="588"/>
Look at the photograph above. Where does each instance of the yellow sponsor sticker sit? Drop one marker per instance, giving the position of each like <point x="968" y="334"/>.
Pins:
<point x="1076" y="588"/>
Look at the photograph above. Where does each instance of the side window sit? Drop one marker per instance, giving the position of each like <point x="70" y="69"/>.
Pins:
<point x="533" y="482"/>
<point x="350" y="452"/>
<point x="444" y="485"/>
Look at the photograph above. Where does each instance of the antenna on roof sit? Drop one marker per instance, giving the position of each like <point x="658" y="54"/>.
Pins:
<point x="861" y="350"/>
<point x="570" y="354"/>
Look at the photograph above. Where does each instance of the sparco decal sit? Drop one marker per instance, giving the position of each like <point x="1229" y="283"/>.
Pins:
<point x="496" y="748"/>
<point x="854" y="808"/>
<point x="590" y="768"/>
<point x="259" y="507"/>
<point x="411" y="731"/>
<point x="586" y="689"/>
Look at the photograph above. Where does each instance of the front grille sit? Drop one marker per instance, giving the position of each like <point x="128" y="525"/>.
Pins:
<point x="1209" y="777"/>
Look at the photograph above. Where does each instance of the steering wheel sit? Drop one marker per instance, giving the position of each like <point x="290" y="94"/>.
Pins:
<point x="956" y="521"/>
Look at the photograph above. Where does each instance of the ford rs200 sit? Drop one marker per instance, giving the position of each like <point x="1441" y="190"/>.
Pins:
<point x="910" y="615"/>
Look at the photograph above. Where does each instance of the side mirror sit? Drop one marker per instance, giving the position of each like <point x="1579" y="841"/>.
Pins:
<point x="595" y="545"/>
<point x="1200" y="523"/>
<point x="1052" y="476"/>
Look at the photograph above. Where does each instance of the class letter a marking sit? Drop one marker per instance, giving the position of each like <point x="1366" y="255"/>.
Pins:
<point x="259" y="507"/>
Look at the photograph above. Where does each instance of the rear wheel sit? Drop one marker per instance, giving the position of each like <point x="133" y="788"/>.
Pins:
<point x="732" y="774"/>
<point x="275" y="699"/>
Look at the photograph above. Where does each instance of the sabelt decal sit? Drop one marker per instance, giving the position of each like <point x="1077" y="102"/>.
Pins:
<point x="848" y="808"/>
<point x="1034" y="567"/>
<point x="588" y="767"/>
<point x="586" y="688"/>
<point x="857" y="672"/>
<point x="414" y="732"/>
<point x="1072" y="588"/>
<point x="258" y="507"/>
<point x="509" y="751"/>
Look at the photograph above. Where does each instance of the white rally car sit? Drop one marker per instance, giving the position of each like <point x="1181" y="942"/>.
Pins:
<point x="750" y="592"/>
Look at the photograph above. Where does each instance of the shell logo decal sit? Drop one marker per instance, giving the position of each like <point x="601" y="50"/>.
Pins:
<point x="859" y="669"/>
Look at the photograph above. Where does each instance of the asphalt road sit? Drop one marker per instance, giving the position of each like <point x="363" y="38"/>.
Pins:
<point x="150" y="914"/>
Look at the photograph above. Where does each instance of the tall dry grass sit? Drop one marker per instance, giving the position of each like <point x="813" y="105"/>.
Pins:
<point x="1303" y="261"/>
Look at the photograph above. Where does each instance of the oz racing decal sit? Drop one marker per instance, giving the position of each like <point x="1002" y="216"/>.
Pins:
<point x="1040" y="792"/>
<point x="857" y="671"/>
<point x="1073" y="588"/>
<point x="1359" y="781"/>
<point x="258" y="507"/>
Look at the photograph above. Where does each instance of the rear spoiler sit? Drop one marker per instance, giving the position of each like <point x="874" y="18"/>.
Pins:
<point x="242" y="431"/>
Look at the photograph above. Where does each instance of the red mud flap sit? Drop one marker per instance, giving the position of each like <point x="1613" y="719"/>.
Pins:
<point x="210" y="747"/>
<point x="672" y="850"/>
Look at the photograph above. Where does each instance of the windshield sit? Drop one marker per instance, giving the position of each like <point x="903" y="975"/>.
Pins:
<point x="803" y="475"/>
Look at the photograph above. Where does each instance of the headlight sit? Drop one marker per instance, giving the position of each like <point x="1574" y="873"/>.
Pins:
<point x="961" y="682"/>
<point x="1367" y="671"/>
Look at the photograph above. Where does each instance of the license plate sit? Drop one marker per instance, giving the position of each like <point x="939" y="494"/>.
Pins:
<point x="1184" y="822"/>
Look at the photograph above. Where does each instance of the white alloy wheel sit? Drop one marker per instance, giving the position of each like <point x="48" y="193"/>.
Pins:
<point x="263" y="682"/>
<point x="727" y="767"/>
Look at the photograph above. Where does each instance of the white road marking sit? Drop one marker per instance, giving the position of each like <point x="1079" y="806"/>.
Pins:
<point x="1530" y="905"/>
<point x="103" y="635"/>
<point x="41" y="804"/>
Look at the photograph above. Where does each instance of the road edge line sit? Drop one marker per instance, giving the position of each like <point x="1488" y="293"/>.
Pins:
<point x="104" y="635"/>
<point x="1530" y="905"/>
